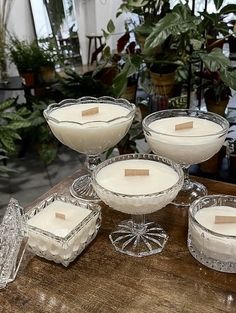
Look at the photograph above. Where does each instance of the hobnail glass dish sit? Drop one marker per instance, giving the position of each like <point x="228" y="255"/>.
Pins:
<point x="183" y="148"/>
<point x="13" y="240"/>
<point x="213" y="249"/>
<point x="137" y="237"/>
<point x="63" y="249"/>
<point x="90" y="137"/>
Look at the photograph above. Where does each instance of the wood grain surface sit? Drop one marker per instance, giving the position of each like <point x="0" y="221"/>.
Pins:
<point x="101" y="280"/>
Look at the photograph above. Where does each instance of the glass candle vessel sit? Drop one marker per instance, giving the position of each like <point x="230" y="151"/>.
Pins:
<point x="13" y="242"/>
<point x="138" y="184"/>
<point x="186" y="145"/>
<point x="212" y="241"/>
<point x="60" y="228"/>
<point x="90" y="126"/>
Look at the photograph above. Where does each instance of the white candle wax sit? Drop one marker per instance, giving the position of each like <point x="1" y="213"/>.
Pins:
<point x="47" y="220"/>
<point x="217" y="247"/>
<point x="160" y="178"/>
<point x="63" y="242"/>
<point x="186" y="146"/>
<point x="96" y="133"/>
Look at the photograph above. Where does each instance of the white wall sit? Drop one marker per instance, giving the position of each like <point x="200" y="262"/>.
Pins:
<point x="92" y="16"/>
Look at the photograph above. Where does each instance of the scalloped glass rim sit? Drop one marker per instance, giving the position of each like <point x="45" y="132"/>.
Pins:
<point x="152" y="157"/>
<point x="210" y="197"/>
<point x="209" y="114"/>
<point x="105" y="99"/>
<point x="95" y="211"/>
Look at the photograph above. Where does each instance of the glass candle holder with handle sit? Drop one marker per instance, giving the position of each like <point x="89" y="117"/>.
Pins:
<point x="90" y="126"/>
<point x="138" y="184"/>
<point x="186" y="137"/>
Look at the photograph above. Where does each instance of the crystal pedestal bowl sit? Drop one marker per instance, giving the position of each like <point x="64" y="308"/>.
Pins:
<point x="138" y="184"/>
<point x="90" y="126"/>
<point x="187" y="137"/>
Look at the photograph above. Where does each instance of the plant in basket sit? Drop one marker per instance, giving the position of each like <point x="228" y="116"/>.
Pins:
<point x="218" y="79"/>
<point x="216" y="92"/>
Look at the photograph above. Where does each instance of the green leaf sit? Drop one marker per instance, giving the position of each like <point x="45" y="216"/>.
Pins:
<point x="7" y="142"/>
<point x="110" y="26"/>
<point x="176" y="23"/>
<point x="6" y="104"/>
<point x="222" y="28"/>
<point x="106" y="35"/>
<point x="12" y="116"/>
<point x="211" y="17"/>
<point x="230" y="8"/>
<point x="120" y="82"/>
<point x="215" y="60"/>
<point x="137" y="3"/>
<point x="218" y="4"/>
<point x="18" y="125"/>
<point x="37" y="120"/>
<point x="130" y="68"/>
<point x="3" y="157"/>
<point x="229" y="77"/>
<point x="5" y="171"/>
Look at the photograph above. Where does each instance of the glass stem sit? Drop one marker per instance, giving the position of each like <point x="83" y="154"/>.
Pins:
<point x="92" y="161"/>
<point x="139" y="223"/>
<point x="187" y="182"/>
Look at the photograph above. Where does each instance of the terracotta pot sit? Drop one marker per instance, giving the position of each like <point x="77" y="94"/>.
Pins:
<point x="218" y="108"/>
<point x="47" y="73"/>
<point x="28" y="78"/>
<point x="163" y="84"/>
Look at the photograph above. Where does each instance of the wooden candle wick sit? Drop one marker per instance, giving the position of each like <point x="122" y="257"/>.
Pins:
<point x="90" y="111"/>
<point x="184" y="126"/>
<point x="136" y="172"/>
<point x="62" y="216"/>
<point x="221" y="219"/>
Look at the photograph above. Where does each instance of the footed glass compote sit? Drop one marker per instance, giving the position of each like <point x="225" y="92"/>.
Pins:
<point x="91" y="126"/>
<point x="187" y="137"/>
<point x="138" y="184"/>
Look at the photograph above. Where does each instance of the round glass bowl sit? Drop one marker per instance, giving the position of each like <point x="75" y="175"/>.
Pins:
<point x="138" y="195"/>
<point x="213" y="244"/>
<point x="186" y="146"/>
<point x="91" y="126"/>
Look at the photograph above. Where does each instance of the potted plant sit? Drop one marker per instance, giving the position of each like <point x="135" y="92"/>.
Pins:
<point x="35" y="61"/>
<point x="218" y="79"/>
<point x="216" y="92"/>
<point x="22" y="54"/>
<point x="214" y="25"/>
<point x="167" y="48"/>
<point x="185" y="32"/>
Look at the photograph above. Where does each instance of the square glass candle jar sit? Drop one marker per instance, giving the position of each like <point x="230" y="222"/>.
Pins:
<point x="211" y="242"/>
<point x="60" y="228"/>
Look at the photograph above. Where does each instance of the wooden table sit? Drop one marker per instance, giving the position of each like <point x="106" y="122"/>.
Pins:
<point x="104" y="281"/>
